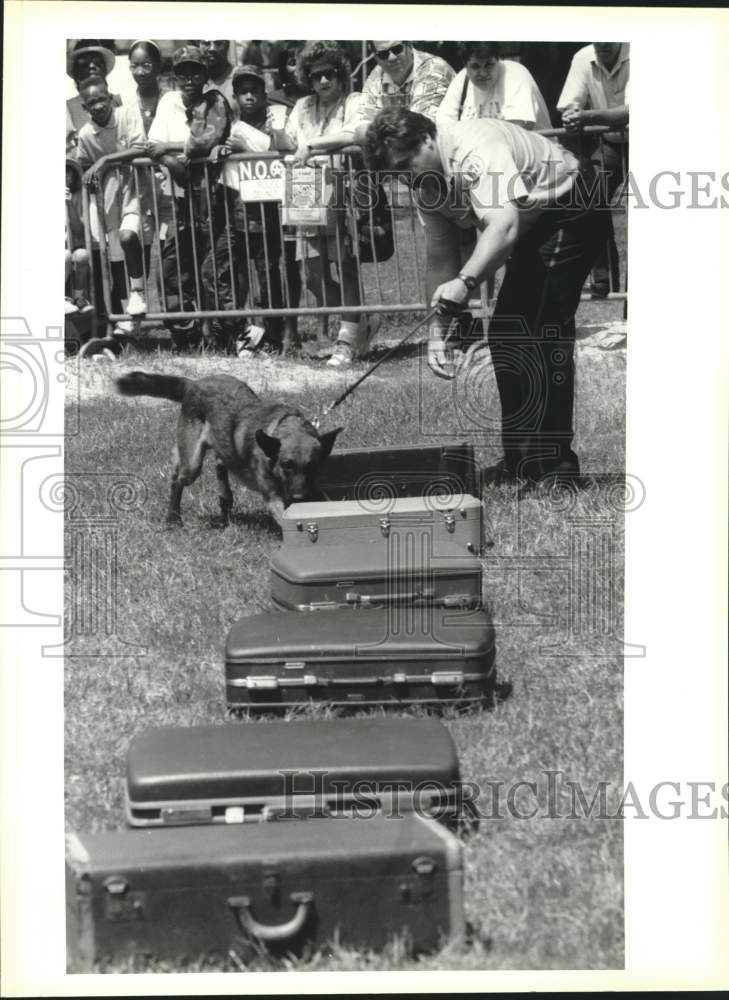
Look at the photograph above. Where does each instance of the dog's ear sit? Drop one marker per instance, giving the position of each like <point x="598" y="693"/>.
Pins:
<point x="271" y="446"/>
<point x="327" y="441"/>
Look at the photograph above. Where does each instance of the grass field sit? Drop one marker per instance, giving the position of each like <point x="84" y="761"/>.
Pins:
<point x="541" y="893"/>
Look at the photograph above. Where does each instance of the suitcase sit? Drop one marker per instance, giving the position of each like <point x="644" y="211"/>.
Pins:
<point x="253" y="773"/>
<point x="455" y="518"/>
<point x="392" y="656"/>
<point x="368" y="576"/>
<point x="398" y="471"/>
<point x="189" y="892"/>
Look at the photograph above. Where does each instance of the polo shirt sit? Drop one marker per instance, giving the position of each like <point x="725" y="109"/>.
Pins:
<point x="422" y="91"/>
<point x="590" y="85"/>
<point x="513" y="95"/>
<point x="488" y="163"/>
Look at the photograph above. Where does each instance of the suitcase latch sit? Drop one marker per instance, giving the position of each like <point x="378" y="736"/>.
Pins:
<point x="418" y="886"/>
<point x="261" y="683"/>
<point x="450" y="521"/>
<point x="454" y="677"/>
<point x="119" y="904"/>
<point x="385" y="525"/>
<point x="312" y="530"/>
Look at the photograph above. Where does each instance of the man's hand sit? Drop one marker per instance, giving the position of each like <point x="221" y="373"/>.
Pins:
<point x="573" y="118"/>
<point x="440" y="358"/>
<point x="454" y="291"/>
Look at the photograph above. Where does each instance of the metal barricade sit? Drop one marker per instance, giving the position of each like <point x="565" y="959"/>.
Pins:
<point x="217" y="252"/>
<point x="89" y="243"/>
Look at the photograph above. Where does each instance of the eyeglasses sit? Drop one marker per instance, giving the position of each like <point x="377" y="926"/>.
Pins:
<point x="190" y="74"/>
<point x="396" y="50"/>
<point x="327" y="74"/>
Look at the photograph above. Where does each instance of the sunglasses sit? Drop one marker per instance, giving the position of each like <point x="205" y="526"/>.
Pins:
<point x="396" y="50"/>
<point x="327" y="74"/>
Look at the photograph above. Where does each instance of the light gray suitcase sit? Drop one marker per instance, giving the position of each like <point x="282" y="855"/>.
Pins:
<point x="455" y="518"/>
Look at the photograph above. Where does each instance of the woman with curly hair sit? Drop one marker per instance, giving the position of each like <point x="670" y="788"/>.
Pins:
<point x="319" y="123"/>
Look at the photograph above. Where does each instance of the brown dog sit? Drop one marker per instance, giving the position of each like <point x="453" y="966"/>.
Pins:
<point x="271" y="447"/>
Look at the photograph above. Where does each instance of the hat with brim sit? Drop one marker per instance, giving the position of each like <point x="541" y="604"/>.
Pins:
<point x="189" y="54"/>
<point x="99" y="50"/>
<point x="250" y="72"/>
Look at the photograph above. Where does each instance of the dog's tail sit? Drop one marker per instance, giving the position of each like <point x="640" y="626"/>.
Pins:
<point x="142" y="384"/>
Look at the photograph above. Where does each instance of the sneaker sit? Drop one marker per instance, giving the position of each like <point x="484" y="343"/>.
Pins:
<point x="251" y="341"/>
<point x="70" y="306"/>
<point x="124" y="329"/>
<point x="136" y="306"/>
<point x="82" y="304"/>
<point x="342" y="356"/>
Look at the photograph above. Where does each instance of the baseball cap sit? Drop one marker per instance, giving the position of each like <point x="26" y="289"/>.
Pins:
<point x="189" y="54"/>
<point x="251" y="71"/>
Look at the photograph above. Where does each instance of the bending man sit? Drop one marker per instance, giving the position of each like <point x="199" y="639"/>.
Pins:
<point x="521" y="200"/>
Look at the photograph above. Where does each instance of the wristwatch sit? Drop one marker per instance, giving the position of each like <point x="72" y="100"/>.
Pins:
<point x="468" y="281"/>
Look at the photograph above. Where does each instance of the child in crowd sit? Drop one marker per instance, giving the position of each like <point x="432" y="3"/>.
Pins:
<point x="255" y="234"/>
<point x="77" y="257"/>
<point x="190" y="123"/>
<point x="113" y="136"/>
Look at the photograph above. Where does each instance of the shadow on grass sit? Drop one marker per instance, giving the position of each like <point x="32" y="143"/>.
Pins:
<point x="257" y="520"/>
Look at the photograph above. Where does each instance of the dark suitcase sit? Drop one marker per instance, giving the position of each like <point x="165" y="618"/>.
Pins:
<point x="198" y="891"/>
<point x="395" y="656"/>
<point x="370" y="576"/>
<point x="398" y="471"/>
<point x="253" y="773"/>
<point x="441" y="520"/>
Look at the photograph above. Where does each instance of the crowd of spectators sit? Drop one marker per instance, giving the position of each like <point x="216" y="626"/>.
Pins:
<point x="178" y="102"/>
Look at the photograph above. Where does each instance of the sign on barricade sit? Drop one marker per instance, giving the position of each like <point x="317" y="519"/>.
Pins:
<point x="309" y="193"/>
<point x="256" y="180"/>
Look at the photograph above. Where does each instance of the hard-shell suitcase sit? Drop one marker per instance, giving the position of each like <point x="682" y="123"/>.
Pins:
<point x="253" y="773"/>
<point x="367" y="576"/>
<point x="454" y="518"/>
<point x="398" y="471"/>
<point x="202" y="891"/>
<point x="396" y="656"/>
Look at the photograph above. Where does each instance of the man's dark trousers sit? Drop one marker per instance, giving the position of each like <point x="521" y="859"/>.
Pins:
<point x="532" y="335"/>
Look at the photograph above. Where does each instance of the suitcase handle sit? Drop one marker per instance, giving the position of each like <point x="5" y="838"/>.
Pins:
<point x="241" y="905"/>
<point x="353" y="597"/>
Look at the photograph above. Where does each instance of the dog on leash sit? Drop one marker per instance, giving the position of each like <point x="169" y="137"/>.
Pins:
<point x="270" y="447"/>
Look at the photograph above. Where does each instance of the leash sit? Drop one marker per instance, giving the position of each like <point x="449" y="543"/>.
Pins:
<point x="347" y="392"/>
